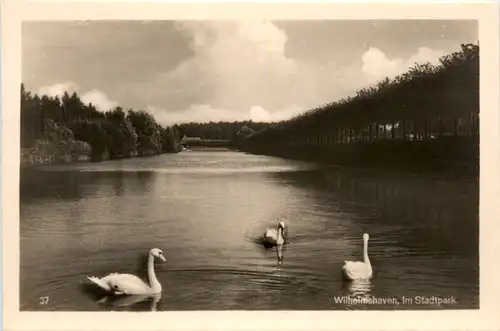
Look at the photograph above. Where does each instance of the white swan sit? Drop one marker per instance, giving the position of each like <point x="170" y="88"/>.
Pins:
<point x="275" y="235"/>
<point x="359" y="270"/>
<point x="128" y="284"/>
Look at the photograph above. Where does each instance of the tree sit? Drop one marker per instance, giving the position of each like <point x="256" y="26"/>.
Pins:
<point x="147" y="130"/>
<point x="123" y="135"/>
<point x="69" y="125"/>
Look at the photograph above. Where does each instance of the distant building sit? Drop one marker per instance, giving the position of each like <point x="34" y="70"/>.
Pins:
<point x="190" y="140"/>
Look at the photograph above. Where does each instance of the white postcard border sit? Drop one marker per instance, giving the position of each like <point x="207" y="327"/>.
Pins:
<point x="486" y="318"/>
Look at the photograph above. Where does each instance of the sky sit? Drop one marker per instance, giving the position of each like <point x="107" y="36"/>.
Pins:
<point x="182" y="71"/>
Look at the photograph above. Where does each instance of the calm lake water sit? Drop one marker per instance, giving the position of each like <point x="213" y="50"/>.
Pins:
<point x="206" y="208"/>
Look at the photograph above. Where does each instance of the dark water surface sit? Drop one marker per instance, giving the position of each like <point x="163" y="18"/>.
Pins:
<point x="204" y="208"/>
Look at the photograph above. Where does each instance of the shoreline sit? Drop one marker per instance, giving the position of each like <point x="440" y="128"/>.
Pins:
<point x="86" y="159"/>
<point x="352" y="159"/>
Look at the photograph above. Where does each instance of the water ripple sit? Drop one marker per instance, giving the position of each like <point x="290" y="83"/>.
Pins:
<point x="205" y="210"/>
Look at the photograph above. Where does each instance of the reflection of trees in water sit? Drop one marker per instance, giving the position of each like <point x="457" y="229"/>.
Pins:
<point x="117" y="183"/>
<point x="74" y="184"/>
<point x="143" y="180"/>
<point x="440" y="211"/>
<point x="66" y="185"/>
<point x="426" y="200"/>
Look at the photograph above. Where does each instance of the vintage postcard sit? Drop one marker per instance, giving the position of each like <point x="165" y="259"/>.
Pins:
<point x="250" y="166"/>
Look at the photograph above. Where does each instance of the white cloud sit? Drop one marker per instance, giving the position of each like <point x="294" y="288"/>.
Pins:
<point x="57" y="90"/>
<point x="259" y="114"/>
<point x="205" y="113"/>
<point x="240" y="70"/>
<point x="425" y="54"/>
<point x="99" y="100"/>
<point x="235" y="65"/>
<point x="377" y="66"/>
<point x="195" y="113"/>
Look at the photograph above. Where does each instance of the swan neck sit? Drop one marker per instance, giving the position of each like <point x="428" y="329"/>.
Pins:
<point x="365" y="251"/>
<point x="153" y="281"/>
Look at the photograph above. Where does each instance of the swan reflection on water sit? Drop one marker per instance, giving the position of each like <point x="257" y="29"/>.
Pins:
<point x="359" y="288"/>
<point x="279" y="254"/>
<point x="279" y="249"/>
<point x="274" y="238"/>
<point x="132" y="300"/>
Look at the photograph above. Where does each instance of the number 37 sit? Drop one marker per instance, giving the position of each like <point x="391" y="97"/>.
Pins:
<point x="44" y="300"/>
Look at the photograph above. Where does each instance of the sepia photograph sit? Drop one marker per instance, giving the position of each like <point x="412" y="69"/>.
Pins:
<point x="260" y="164"/>
<point x="200" y="143"/>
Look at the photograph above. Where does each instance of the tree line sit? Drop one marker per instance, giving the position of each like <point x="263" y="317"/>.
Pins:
<point x="66" y="128"/>
<point x="428" y="103"/>
<point x="221" y="130"/>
